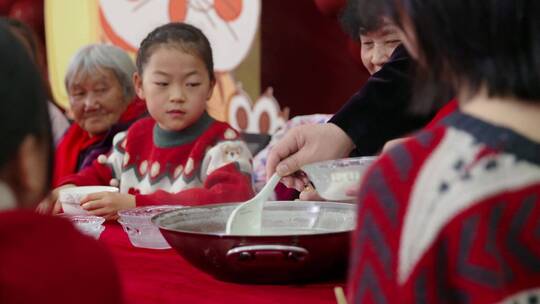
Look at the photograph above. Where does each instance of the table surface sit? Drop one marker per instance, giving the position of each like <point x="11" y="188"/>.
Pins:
<point x="162" y="276"/>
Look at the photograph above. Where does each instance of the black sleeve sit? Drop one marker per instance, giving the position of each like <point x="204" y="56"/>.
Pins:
<point x="378" y="112"/>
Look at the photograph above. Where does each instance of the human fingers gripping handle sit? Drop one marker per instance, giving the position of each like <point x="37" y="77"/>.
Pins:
<point x="283" y="149"/>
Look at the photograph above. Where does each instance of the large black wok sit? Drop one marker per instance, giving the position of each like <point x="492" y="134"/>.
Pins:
<point x="300" y="241"/>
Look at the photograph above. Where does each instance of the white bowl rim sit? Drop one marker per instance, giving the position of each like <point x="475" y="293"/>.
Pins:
<point x="84" y="190"/>
<point x="359" y="161"/>
<point x="98" y="220"/>
<point x="127" y="213"/>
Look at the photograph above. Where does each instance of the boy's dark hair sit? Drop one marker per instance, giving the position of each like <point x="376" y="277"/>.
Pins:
<point x="363" y="16"/>
<point x="24" y="103"/>
<point x="189" y="38"/>
<point x="483" y="43"/>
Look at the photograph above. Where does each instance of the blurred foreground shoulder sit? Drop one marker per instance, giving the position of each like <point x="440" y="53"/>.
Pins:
<point x="44" y="259"/>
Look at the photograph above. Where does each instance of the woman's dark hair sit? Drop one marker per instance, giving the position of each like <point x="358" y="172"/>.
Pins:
<point x="27" y="34"/>
<point x="363" y="16"/>
<point x="24" y="104"/>
<point x="492" y="44"/>
<point x="189" y="38"/>
<point x="34" y="45"/>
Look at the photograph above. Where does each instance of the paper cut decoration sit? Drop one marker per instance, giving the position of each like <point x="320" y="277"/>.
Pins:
<point x="264" y="116"/>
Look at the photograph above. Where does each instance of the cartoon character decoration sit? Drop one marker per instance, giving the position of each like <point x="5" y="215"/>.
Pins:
<point x="264" y="116"/>
<point x="230" y="25"/>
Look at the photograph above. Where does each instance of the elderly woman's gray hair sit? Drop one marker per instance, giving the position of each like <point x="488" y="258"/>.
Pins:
<point x="95" y="57"/>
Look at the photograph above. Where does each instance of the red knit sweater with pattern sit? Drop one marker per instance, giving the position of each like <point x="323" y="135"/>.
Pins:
<point x="450" y="216"/>
<point x="204" y="163"/>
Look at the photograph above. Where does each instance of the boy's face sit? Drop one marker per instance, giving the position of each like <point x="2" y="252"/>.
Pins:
<point x="378" y="46"/>
<point x="176" y="87"/>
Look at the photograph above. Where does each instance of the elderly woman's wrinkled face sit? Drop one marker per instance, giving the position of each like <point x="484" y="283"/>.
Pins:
<point x="97" y="100"/>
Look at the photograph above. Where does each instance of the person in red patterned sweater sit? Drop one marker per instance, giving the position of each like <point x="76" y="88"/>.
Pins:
<point x="179" y="155"/>
<point x="452" y="215"/>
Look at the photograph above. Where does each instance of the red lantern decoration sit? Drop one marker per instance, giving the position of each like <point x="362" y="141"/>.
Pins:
<point x="330" y="8"/>
<point x="30" y="12"/>
<point x="5" y="6"/>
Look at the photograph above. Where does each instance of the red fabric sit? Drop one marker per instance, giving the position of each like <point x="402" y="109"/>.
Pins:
<point x="448" y="109"/>
<point x="67" y="154"/>
<point x="285" y="194"/>
<point x="135" y="109"/>
<point x="162" y="276"/>
<point x="77" y="140"/>
<point x="43" y="259"/>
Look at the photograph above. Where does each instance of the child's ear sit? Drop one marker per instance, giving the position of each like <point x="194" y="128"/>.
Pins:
<point x="137" y="83"/>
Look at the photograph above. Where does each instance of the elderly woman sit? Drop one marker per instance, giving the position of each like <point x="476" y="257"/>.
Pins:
<point x="103" y="103"/>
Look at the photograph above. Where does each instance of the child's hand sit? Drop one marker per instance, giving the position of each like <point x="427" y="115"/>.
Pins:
<point x="298" y="181"/>
<point x="107" y="204"/>
<point x="51" y="205"/>
<point x="310" y="194"/>
<point x="353" y="191"/>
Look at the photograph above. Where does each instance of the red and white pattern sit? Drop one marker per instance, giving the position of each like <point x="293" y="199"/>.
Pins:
<point x="175" y="170"/>
<point x="450" y="216"/>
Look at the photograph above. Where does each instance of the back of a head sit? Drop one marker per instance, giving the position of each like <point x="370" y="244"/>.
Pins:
<point x="27" y="36"/>
<point x="491" y="44"/>
<point x="24" y="105"/>
<point x="30" y="242"/>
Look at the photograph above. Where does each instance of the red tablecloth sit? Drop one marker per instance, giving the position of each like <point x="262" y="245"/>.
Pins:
<point x="162" y="276"/>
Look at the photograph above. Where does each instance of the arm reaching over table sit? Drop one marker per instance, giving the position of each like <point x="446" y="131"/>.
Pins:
<point x="303" y="145"/>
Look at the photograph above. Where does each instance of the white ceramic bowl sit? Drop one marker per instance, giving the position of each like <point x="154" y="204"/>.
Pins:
<point x="139" y="228"/>
<point x="333" y="178"/>
<point x="70" y="198"/>
<point x="87" y="224"/>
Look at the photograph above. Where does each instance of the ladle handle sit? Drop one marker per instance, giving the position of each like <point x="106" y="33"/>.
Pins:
<point x="269" y="187"/>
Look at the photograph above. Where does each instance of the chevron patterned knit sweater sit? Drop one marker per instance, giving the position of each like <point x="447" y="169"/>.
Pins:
<point x="204" y="163"/>
<point x="450" y="216"/>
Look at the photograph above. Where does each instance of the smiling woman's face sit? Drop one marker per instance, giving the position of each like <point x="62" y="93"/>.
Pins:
<point x="377" y="46"/>
<point x="97" y="100"/>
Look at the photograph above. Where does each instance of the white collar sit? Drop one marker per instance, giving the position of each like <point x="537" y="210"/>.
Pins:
<point x="7" y="199"/>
